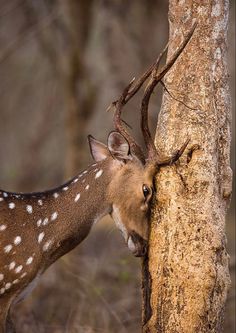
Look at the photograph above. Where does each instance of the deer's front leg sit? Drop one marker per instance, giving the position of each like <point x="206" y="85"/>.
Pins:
<point x="5" y="321"/>
<point x="2" y="324"/>
<point x="10" y="328"/>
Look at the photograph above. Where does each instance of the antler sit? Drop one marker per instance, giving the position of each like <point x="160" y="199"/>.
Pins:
<point x="131" y="89"/>
<point x="155" y="79"/>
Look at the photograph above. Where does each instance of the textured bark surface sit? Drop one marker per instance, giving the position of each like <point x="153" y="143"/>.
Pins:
<point x="186" y="278"/>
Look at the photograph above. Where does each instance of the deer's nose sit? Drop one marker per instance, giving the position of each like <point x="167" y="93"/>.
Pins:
<point x="137" y="245"/>
<point x="142" y="251"/>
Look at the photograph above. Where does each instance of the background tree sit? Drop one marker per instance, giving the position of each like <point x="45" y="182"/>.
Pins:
<point x="186" y="279"/>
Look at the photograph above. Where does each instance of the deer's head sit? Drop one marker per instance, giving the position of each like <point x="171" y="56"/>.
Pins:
<point x="130" y="190"/>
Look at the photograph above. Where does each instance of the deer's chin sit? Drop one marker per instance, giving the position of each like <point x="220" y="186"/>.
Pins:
<point x="138" y="248"/>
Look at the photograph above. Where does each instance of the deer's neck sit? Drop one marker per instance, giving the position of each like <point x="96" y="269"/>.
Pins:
<point x="78" y="205"/>
<point x="52" y="223"/>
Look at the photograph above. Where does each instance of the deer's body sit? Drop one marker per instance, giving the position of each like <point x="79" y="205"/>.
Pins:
<point x="36" y="229"/>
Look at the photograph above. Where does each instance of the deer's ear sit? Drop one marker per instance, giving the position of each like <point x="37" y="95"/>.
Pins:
<point x="118" y="146"/>
<point x="98" y="150"/>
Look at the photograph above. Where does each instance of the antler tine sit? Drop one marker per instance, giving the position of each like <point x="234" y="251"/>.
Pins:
<point x="144" y="105"/>
<point x="144" y="77"/>
<point x="156" y="78"/>
<point x="139" y="82"/>
<point x="118" y="122"/>
<point x="131" y="89"/>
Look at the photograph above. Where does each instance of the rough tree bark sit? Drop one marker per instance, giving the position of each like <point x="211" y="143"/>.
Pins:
<point x="186" y="277"/>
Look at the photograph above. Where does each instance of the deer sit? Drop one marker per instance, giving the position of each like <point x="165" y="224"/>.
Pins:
<point x="36" y="229"/>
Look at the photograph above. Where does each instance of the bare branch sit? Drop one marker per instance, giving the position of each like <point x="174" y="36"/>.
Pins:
<point x="175" y="98"/>
<point x="13" y="45"/>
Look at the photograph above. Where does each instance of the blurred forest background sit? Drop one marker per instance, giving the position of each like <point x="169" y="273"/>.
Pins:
<point x="62" y="62"/>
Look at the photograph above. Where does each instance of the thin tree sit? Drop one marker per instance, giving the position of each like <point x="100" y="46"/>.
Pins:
<point x="186" y="275"/>
<point x="62" y="29"/>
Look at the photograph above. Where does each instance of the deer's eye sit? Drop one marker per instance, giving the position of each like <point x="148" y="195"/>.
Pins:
<point x="147" y="191"/>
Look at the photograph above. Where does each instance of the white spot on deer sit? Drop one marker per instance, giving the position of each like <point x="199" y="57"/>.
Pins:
<point x="87" y="187"/>
<point x="65" y="188"/>
<point x="5" y="194"/>
<point x="3" y="227"/>
<point x="29" y="261"/>
<point x="18" y="269"/>
<point x="15" y="281"/>
<point x="17" y="240"/>
<point x="45" y="221"/>
<point x="83" y="181"/>
<point x="75" y="180"/>
<point x="98" y="174"/>
<point x="54" y="216"/>
<point x="94" y="164"/>
<point x="12" y="265"/>
<point x="56" y="195"/>
<point x="8" y="248"/>
<point x="85" y="172"/>
<point x="39" y="222"/>
<point x="7" y="285"/>
<point x="47" y="245"/>
<point x="40" y="237"/>
<point x="77" y="197"/>
<point x="23" y="275"/>
<point x="2" y="291"/>
<point x="12" y="205"/>
<point x="29" y="209"/>
<point x="40" y="202"/>
<point x="1" y="199"/>
<point x="1" y="276"/>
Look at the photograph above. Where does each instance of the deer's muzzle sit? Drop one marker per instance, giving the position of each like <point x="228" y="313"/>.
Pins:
<point x="137" y="245"/>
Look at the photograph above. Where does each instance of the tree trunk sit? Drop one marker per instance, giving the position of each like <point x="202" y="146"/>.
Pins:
<point x="64" y="42"/>
<point x="78" y="90"/>
<point x="186" y="277"/>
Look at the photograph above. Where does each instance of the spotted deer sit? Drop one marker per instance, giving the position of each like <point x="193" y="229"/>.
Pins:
<point x="38" y="228"/>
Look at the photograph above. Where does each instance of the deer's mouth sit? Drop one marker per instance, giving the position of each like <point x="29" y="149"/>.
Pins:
<point x="137" y="245"/>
